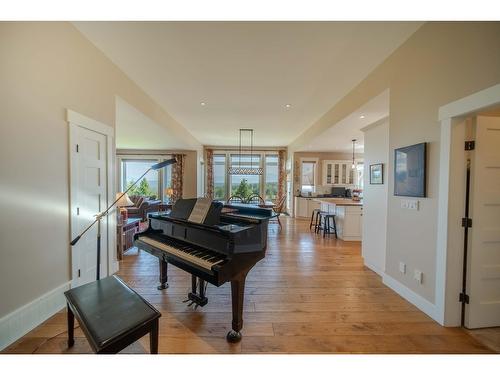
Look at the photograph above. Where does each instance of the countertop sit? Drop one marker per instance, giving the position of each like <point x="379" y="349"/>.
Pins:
<point x="340" y="201"/>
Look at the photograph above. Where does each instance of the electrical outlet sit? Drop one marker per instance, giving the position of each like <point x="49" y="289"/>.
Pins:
<point x="402" y="267"/>
<point x="418" y="276"/>
<point x="404" y="203"/>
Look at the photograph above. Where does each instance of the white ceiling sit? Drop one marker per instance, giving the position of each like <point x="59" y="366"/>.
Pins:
<point x="340" y="135"/>
<point x="247" y="71"/>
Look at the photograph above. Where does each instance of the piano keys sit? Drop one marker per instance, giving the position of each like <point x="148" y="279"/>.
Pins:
<point x="222" y="248"/>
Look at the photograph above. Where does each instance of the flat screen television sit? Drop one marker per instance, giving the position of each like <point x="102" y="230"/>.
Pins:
<point x="410" y="170"/>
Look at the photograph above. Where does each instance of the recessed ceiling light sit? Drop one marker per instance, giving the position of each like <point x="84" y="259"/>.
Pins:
<point x="288" y="105"/>
<point x="203" y="104"/>
<point x="362" y="116"/>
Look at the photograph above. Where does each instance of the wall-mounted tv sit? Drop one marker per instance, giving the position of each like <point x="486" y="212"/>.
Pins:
<point x="410" y="170"/>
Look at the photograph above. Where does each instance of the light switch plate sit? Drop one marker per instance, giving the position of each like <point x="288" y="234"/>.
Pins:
<point x="410" y="204"/>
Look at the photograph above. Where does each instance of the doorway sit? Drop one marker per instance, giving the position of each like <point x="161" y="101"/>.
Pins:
<point x="91" y="190"/>
<point x="481" y="300"/>
<point x="483" y="245"/>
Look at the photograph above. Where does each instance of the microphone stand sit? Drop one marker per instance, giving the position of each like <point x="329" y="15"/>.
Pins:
<point x="100" y="215"/>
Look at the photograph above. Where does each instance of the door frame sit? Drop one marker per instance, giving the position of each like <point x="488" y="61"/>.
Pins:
<point x="75" y="120"/>
<point x="448" y="271"/>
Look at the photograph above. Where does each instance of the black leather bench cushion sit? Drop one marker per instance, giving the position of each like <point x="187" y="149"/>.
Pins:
<point x="109" y="308"/>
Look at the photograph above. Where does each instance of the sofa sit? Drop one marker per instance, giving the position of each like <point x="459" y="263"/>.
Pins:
<point x="142" y="206"/>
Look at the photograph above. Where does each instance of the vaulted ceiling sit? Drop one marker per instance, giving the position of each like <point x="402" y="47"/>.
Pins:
<point x="217" y="77"/>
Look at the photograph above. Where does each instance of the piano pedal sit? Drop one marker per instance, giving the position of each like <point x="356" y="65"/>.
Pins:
<point x="197" y="299"/>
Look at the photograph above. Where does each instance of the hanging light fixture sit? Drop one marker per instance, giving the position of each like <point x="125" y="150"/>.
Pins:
<point x="239" y="170"/>
<point x="353" y="166"/>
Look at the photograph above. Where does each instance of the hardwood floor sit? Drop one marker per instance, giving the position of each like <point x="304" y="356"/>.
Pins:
<point x="309" y="295"/>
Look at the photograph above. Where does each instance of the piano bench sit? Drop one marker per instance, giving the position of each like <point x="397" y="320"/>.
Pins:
<point x="111" y="315"/>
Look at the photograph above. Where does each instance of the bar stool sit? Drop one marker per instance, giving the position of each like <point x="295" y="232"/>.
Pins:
<point x="325" y="225"/>
<point x="316" y="212"/>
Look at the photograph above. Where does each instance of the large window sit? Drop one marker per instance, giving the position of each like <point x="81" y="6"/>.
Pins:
<point x="308" y="177"/>
<point x="245" y="185"/>
<point x="152" y="185"/>
<point x="265" y="185"/>
<point x="272" y="172"/>
<point x="219" y="177"/>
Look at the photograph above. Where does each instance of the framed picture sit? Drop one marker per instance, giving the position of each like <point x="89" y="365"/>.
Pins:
<point x="410" y="170"/>
<point x="377" y="174"/>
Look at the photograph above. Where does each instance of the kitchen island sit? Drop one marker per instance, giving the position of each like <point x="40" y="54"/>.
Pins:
<point x="348" y="216"/>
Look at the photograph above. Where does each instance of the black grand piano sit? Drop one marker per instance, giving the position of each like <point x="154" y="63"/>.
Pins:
<point x="214" y="242"/>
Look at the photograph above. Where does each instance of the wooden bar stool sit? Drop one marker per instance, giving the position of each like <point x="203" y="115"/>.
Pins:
<point x="325" y="224"/>
<point x="315" y="212"/>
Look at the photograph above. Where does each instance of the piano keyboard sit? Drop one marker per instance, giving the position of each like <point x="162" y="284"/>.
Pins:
<point x="192" y="253"/>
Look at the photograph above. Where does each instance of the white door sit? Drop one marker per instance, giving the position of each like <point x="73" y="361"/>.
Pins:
<point x="88" y="190"/>
<point x="483" y="273"/>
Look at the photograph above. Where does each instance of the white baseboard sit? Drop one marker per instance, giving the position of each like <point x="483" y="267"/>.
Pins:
<point x="19" y="322"/>
<point x="412" y="297"/>
<point x="374" y="268"/>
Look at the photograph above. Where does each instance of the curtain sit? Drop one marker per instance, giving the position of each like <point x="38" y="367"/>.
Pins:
<point x="281" y="176"/>
<point x="209" y="192"/>
<point x="177" y="177"/>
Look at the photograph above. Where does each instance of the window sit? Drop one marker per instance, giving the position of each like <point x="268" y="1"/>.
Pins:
<point x="219" y="177"/>
<point x="308" y="177"/>
<point x="153" y="184"/>
<point x="132" y="169"/>
<point x="265" y="185"/>
<point x="272" y="172"/>
<point x="245" y="185"/>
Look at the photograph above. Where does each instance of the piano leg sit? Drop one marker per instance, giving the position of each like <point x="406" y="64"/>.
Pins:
<point x="163" y="275"/>
<point x="237" y="294"/>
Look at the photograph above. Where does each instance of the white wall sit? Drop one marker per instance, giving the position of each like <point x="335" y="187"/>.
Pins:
<point x="375" y="197"/>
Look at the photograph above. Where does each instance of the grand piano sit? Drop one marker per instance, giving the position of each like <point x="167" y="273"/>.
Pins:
<point x="215" y="243"/>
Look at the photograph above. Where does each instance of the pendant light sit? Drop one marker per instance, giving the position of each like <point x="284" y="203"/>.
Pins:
<point x="239" y="170"/>
<point x="353" y="166"/>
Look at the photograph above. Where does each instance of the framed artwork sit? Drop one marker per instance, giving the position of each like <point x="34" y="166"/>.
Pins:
<point x="377" y="174"/>
<point x="410" y="164"/>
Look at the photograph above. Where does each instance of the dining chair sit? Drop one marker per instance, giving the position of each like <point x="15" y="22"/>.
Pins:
<point x="255" y="199"/>
<point x="279" y="208"/>
<point x="235" y="199"/>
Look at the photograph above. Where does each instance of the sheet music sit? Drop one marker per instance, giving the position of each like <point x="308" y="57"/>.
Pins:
<point x="200" y="210"/>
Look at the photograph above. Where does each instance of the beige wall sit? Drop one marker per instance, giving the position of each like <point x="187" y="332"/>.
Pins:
<point x="440" y="63"/>
<point x="376" y="140"/>
<point x="44" y="69"/>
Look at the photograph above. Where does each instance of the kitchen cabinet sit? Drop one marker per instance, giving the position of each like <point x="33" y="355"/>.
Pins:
<point x="305" y="206"/>
<point x="338" y="172"/>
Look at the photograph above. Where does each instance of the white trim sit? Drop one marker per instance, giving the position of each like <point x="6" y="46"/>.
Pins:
<point x="374" y="268"/>
<point x="89" y="123"/>
<point x="472" y="103"/>
<point x="412" y="297"/>
<point x="446" y="309"/>
<point x="19" y="322"/>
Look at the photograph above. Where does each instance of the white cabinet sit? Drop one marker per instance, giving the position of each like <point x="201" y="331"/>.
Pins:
<point x="349" y="220"/>
<point x="305" y="206"/>
<point x="338" y="172"/>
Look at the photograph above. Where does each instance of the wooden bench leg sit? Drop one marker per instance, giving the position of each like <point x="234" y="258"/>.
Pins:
<point x="71" y="327"/>
<point x="153" y="338"/>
